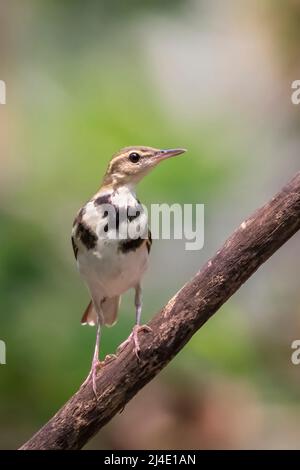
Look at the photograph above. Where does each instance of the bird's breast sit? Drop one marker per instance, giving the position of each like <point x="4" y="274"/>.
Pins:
<point x="111" y="241"/>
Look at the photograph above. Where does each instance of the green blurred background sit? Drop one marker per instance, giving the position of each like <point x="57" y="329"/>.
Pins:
<point x="84" y="79"/>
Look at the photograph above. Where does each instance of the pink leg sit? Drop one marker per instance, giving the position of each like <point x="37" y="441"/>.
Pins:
<point x="137" y="327"/>
<point x="95" y="362"/>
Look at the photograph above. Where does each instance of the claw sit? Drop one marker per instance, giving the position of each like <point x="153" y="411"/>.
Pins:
<point x="109" y="358"/>
<point x="134" y="335"/>
<point x="93" y="375"/>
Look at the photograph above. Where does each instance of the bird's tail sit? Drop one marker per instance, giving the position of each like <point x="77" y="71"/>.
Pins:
<point x="109" y="312"/>
<point x="89" y="317"/>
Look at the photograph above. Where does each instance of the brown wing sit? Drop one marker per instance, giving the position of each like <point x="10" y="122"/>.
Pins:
<point x="75" y="247"/>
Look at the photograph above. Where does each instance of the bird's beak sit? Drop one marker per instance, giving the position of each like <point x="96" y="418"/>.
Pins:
<point x="164" y="154"/>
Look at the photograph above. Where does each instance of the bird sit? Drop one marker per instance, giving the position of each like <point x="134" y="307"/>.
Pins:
<point x="110" y="258"/>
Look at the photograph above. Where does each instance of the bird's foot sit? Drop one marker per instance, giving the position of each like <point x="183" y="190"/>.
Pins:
<point x="96" y="364"/>
<point x="109" y="358"/>
<point x="134" y="336"/>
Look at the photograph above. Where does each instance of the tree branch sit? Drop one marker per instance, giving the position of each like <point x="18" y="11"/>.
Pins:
<point x="120" y="379"/>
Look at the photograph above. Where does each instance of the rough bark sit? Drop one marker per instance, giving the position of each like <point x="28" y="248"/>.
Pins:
<point x="255" y="240"/>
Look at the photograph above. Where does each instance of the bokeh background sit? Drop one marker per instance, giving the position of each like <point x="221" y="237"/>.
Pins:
<point x="84" y="79"/>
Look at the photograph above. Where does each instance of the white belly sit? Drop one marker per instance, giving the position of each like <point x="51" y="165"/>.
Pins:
<point x="111" y="271"/>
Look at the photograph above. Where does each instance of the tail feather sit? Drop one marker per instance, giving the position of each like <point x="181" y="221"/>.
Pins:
<point x="89" y="317"/>
<point x="109" y="311"/>
<point x="110" y="308"/>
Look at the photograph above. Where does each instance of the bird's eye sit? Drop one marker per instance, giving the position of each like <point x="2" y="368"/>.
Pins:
<point x="134" y="157"/>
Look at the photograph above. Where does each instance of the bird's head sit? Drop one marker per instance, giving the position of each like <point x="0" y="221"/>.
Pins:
<point x="131" y="164"/>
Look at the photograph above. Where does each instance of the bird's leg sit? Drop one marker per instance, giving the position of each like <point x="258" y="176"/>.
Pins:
<point x="137" y="327"/>
<point x="95" y="362"/>
<point x="138" y="304"/>
<point x="138" y="313"/>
